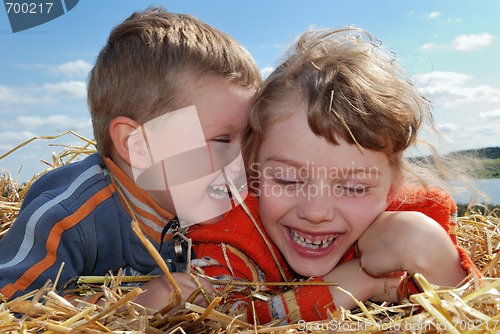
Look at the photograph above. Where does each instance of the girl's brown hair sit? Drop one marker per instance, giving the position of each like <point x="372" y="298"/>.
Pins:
<point x="143" y="68"/>
<point x="355" y="91"/>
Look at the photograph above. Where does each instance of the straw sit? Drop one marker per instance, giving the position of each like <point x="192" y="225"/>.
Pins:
<point x="471" y="308"/>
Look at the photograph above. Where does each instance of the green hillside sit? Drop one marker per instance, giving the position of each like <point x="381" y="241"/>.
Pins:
<point x="482" y="153"/>
<point x="488" y="159"/>
<point x="490" y="169"/>
<point x="484" y="162"/>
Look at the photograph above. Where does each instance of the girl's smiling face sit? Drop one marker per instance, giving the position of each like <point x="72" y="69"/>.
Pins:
<point x="317" y="198"/>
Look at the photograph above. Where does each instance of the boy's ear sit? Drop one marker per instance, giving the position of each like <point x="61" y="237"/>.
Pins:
<point x="120" y="130"/>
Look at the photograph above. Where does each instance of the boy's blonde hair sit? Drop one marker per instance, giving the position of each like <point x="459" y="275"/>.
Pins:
<point x="149" y="58"/>
<point x="355" y="91"/>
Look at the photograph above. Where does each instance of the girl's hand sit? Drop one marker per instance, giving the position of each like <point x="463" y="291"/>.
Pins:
<point x="157" y="292"/>
<point x="349" y="276"/>
<point x="382" y="244"/>
<point x="412" y="242"/>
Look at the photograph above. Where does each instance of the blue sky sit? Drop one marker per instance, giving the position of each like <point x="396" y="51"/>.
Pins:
<point x="451" y="49"/>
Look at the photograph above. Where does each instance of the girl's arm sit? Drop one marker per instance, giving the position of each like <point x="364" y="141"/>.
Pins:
<point x="360" y="286"/>
<point x="411" y="242"/>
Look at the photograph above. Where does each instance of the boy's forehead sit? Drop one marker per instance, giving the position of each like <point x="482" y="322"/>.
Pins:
<point x="212" y="82"/>
<point x="219" y="101"/>
<point x="224" y="118"/>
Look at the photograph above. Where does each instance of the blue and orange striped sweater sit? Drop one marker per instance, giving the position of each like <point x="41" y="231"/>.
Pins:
<point x="75" y="215"/>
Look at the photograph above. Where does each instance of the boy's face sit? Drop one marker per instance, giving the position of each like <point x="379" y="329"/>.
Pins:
<point x="194" y="150"/>
<point x="316" y="198"/>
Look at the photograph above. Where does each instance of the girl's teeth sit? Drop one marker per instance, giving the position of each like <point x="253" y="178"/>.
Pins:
<point x="309" y="243"/>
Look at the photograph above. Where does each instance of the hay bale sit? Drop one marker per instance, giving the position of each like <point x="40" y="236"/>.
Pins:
<point x="475" y="307"/>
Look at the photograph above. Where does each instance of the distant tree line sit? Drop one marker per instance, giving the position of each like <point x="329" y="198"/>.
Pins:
<point x="481" y="153"/>
<point x="484" y="162"/>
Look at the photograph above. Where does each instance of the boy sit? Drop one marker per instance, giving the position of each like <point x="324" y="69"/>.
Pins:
<point x="154" y="63"/>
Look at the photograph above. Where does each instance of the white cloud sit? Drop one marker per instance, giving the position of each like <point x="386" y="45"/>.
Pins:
<point x="492" y="114"/>
<point x="462" y="43"/>
<point x="78" y="69"/>
<point x="484" y="132"/>
<point x="452" y="20"/>
<point x="466" y="113"/>
<point x="448" y="89"/>
<point x="472" y="42"/>
<point x="74" y="69"/>
<point x="71" y="89"/>
<point x="17" y="136"/>
<point x="442" y="78"/>
<point x="25" y="161"/>
<point x="449" y="96"/>
<point x="432" y="46"/>
<point x="437" y="17"/>
<point x="48" y="93"/>
<point x="52" y="123"/>
<point x="10" y="96"/>
<point x="448" y="127"/>
<point x="432" y="15"/>
<point x="5" y="148"/>
<point x="264" y="72"/>
<point x="11" y="139"/>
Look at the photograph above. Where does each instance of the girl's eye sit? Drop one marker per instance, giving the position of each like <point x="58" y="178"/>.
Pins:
<point x="354" y="190"/>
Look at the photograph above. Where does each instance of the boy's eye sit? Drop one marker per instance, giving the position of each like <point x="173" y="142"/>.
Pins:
<point x="287" y="182"/>
<point x="222" y="139"/>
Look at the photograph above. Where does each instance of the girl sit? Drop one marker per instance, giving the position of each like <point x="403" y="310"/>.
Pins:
<point x="325" y="147"/>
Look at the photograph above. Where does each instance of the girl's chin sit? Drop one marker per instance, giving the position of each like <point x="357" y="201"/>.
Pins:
<point x="311" y="266"/>
<point x="313" y="271"/>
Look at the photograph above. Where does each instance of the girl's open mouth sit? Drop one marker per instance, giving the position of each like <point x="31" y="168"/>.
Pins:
<point x="316" y="242"/>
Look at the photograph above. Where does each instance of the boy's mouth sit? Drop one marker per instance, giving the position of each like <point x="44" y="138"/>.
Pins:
<point x="222" y="191"/>
<point x="316" y="242"/>
<point x="219" y="191"/>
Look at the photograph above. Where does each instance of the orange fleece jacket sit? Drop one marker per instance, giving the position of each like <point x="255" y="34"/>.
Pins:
<point x="234" y="249"/>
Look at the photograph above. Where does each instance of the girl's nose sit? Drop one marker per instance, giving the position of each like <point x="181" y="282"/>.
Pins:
<point x="317" y="205"/>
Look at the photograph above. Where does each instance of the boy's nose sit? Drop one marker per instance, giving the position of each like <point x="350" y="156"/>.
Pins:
<point x="236" y="166"/>
<point x="235" y="171"/>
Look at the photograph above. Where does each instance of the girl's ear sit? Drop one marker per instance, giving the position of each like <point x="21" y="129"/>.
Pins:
<point x="391" y="196"/>
<point x="393" y="191"/>
<point x="120" y="130"/>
